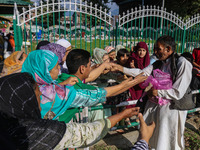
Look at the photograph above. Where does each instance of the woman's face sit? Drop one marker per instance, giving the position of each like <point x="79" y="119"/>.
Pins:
<point x="141" y="52"/>
<point x="38" y="94"/>
<point x="55" y="71"/>
<point x="66" y="53"/>
<point x="112" y="55"/>
<point x="123" y="59"/>
<point x="106" y="58"/>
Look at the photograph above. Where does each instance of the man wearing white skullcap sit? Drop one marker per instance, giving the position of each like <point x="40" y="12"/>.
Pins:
<point x="68" y="47"/>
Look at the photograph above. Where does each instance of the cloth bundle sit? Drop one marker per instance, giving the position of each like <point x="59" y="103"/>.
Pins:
<point x="159" y="81"/>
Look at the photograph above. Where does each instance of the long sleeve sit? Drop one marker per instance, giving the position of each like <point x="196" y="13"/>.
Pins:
<point x="89" y="97"/>
<point x="140" y="145"/>
<point x="135" y="71"/>
<point x="83" y="135"/>
<point x="183" y="79"/>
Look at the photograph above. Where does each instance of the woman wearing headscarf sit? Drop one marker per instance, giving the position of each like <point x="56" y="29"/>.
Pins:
<point x="60" y="51"/>
<point x="111" y="53"/>
<point x="99" y="57"/>
<point x="56" y="99"/>
<point x="23" y="128"/>
<point x="68" y="47"/>
<point x="13" y="63"/>
<point x="139" y="59"/>
<point x="196" y="58"/>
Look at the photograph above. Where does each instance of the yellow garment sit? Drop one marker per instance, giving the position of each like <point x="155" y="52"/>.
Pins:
<point x="11" y="65"/>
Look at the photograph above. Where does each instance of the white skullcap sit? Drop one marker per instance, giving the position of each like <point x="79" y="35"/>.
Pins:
<point x="63" y="43"/>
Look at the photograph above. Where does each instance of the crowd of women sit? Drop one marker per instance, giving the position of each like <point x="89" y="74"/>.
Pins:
<point x="31" y="102"/>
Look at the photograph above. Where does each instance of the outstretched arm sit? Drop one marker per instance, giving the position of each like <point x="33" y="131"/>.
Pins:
<point x="86" y="134"/>
<point x="95" y="73"/>
<point x="146" y="131"/>
<point x="125" y="85"/>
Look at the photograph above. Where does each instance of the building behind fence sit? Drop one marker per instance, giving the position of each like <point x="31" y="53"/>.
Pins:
<point x="87" y="26"/>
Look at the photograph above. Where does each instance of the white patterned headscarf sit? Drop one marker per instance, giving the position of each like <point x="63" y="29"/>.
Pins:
<point x="98" y="54"/>
<point x="118" y="47"/>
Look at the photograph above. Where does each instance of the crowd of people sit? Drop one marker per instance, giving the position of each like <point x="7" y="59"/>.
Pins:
<point x="54" y="79"/>
<point x="7" y="45"/>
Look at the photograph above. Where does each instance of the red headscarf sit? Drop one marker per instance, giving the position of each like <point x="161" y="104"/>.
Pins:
<point x="196" y="55"/>
<point x="140" y="62"/>
<point x="136" y="91"/>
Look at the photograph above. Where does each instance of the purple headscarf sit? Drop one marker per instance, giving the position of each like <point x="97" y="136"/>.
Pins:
<point x="57" y="49"/>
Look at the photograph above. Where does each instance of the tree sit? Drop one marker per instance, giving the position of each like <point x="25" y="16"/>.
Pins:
<point x="29" y="1"/>
<point x="185" y="8"/>
<point x="51" y="20"/>
<point x="99" y="3"/>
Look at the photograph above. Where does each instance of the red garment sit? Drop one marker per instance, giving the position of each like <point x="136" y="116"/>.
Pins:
<point x="196" y="55"/>
<point x="12" y="42"/>
<point x="141" y="63"/>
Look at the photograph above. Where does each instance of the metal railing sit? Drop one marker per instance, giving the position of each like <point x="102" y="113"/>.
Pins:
<point x="87" y="26"/>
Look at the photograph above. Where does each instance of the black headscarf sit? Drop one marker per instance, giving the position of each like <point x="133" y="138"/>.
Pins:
<point x="20" y="118"/>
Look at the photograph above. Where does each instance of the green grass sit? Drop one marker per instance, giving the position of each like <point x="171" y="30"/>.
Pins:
<point x="192" y="139"/>
<point x="89" y="46"/>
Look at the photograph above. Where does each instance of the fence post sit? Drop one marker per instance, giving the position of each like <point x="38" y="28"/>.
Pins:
<point x="15" y="28"/>
<point x="161" y="21"/>
<point x="15" y="33"/>
<point x="183" y="42"/>
<point x="116" y="32"/>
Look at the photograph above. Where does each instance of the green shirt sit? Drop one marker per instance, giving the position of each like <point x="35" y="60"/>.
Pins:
<point x="78" y="85"/>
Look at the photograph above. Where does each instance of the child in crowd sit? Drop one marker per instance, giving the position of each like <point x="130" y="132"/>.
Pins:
<point x="122" y="59"/>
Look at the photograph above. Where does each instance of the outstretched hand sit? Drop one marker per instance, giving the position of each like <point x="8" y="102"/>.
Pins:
<point x="70" y="80"/>
<point x="132" y="64"/>
<point x="107" y="65"/>
<point x="127" y="113"/>
<point x="122" y="115"/>
<point x="146" y="131"/>
<point x="116" y="67"/>
<point x="140" y="78"/>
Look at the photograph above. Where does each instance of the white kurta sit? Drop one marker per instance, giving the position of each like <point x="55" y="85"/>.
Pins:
<point x="169" y="131"/>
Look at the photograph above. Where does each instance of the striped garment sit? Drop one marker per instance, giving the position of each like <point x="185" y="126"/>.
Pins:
<point x="89" y="97"/>
<point x="140" y="145"/>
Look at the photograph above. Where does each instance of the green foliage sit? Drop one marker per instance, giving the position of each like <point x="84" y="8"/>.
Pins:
<point x="29" y="1"/>
<point x="99" y="3"/>
<point x="45" y="18"/>
<point x="185" y="8"/>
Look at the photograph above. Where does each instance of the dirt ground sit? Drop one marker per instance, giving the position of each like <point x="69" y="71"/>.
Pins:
<point x="124" y="141"/>
<point x="192" y="132"/>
